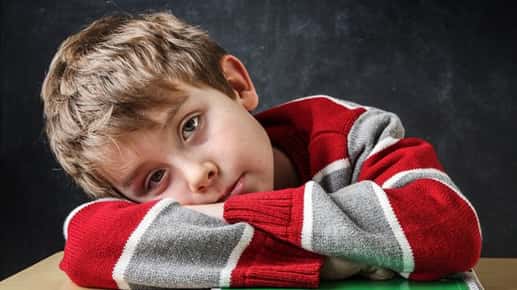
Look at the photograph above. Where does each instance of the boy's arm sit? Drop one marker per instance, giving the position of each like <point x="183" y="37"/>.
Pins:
<point x="333" y="268"/>
<point x="112" y="243"/>
<point x="388" y="203"/>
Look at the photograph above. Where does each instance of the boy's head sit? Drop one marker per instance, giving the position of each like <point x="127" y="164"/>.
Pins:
<point x="149" y="106"/>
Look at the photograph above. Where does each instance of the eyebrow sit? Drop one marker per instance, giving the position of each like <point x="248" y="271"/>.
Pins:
<point x="171" y="113"/>
<point x="129" y="180"/>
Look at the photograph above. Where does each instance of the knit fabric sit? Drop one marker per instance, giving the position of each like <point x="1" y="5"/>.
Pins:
<point x="117" y="244"/>
<point x="368" y="194"/>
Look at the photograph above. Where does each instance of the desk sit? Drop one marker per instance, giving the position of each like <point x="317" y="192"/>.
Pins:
<point x="495" y="274"/>
<point x="43" y="275"/>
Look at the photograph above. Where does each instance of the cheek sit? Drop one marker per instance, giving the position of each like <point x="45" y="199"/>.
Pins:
<point x="240" y="141"/>
<point x="243" y="141"/>
<point x="255" y="148"/>
<point x="178" y="190"/>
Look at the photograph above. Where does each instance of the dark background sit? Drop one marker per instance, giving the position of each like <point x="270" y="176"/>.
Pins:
<point x="447" y="68"/>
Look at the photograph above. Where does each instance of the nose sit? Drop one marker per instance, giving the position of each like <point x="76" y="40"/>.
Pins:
<point x="201" y="175"/>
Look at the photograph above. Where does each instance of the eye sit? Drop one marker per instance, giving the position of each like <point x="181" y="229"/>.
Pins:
<point x="154" y="179"/>
<point x="189" y="127"/>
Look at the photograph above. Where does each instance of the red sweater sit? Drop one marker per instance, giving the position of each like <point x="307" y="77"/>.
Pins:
<point x="368" y="194"/>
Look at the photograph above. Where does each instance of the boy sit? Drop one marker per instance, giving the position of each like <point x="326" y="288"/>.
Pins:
<point x="149" y="110"/>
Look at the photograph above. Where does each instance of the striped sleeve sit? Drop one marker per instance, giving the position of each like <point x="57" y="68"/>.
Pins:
<point x="116" y="244"/>
<point x="391" y="206"/>
<point x="437" y="228"/>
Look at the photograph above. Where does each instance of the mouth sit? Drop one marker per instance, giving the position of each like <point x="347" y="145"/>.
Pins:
<point x="236" y="189"/>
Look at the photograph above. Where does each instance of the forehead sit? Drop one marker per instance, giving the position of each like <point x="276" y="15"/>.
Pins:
<point x="161" y="114"/>
<point x="163" y="93"/>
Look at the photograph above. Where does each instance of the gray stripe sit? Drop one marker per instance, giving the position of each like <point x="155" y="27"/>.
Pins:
<point x="351" y="223"/>
<point x="368" y="130"/>
<point x="184" y="249"/>
<point x="336" y="179"/>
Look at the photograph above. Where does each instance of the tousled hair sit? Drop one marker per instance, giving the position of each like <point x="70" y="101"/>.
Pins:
<point x="103" y="78"/>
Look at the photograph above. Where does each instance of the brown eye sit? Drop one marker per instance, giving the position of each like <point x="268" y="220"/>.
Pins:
<point x="155" y="179"/>
<point x="189" y="127"/>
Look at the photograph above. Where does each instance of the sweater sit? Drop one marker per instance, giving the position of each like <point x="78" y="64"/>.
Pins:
<point x="369" y="195"/>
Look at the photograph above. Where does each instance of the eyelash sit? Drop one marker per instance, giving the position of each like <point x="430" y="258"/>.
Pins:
<point x="194" y="117"/>
<point x="164" y="175"/>
<point x="150" y="176"/>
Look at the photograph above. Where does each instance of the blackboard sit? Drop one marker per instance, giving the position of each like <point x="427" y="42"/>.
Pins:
<point x="447" y="68"/>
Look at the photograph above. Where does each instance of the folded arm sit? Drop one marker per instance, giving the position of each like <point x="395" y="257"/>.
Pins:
<point x="334" y="268"/>
<point x="388" y="204"/>
<point x="112" y="243"/>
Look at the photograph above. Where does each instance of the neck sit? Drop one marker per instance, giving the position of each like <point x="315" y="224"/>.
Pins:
<point x="285" y="172"/>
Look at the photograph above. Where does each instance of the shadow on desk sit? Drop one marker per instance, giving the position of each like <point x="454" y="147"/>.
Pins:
<point x="494" y="273"/>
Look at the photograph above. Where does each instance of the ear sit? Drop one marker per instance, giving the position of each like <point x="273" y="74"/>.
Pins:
<point x="237" y="76"/>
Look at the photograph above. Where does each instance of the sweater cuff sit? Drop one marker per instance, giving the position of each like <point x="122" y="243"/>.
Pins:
<point x="274" y="263"/>
<point x="279" y="213"/>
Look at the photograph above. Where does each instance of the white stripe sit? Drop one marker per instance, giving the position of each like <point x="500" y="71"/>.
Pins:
<point x="226" y="272"/>
<point x="420" y="172"/>
<point x="347" y="104"/>
<point x="473" y="281"/>
<point x="134" y="239"/>
<point x="432" y="171"/>
<point x="408" y="262"/>
<point x="383" y="144"/>
<point x="466" y="201"/>
<point x="79" y="208"/>
<point x="307" y="217"/>
<point x="334" y="166"/>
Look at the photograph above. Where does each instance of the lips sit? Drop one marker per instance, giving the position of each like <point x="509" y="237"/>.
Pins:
<point x="236" y="189"/>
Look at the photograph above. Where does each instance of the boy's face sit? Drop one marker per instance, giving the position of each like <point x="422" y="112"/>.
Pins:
<point x="210" y="148"/>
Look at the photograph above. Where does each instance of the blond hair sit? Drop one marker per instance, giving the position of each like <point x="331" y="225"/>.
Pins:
<point x="103" y="78"/>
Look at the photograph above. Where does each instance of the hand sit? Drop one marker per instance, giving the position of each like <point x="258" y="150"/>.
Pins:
<point x="377" y="273"/>
<point x="213" y="209"/>
<point x="339" y="268"/>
